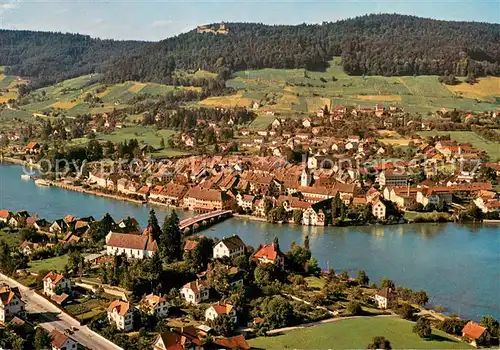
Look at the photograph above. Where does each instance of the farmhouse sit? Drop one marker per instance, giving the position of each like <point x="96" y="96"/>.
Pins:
<point x="385" y="298"/>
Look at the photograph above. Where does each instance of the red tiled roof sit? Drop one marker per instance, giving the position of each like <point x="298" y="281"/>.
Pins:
<point x="130" y="241"/>
<point x="473" y="330"/>
<point x="58" y="338"/>
<point x="32" y="145"/>
<point x="4" y="214"/>
<point x="268" y="251"/>
<point x="195" y="286"/>
<point x="55" y="277"/>
<point x="121" y="307"/>
<point x="236" y="342"/>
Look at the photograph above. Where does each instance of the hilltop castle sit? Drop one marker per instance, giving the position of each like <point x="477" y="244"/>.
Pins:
<point x="213" y="29"/>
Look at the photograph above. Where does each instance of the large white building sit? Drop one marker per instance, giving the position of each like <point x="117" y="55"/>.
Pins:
<point x="120" y="313"/>
<point x="10" y="303"/>
<point x="132" y="245"/>
<point x="393" y="178"/>
<point x="231" y="246"/>
<point x="52" y="281"/>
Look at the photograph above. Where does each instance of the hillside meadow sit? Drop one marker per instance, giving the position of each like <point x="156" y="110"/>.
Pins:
<point x="357" y="334"/>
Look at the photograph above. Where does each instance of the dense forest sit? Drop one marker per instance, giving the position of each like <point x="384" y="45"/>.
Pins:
<point x="51" y="57"/>
<point x="385" y="44"/>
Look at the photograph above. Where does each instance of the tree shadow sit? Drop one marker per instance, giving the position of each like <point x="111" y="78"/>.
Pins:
<point x="41" y="317"/>
<point x="439" y="338"/>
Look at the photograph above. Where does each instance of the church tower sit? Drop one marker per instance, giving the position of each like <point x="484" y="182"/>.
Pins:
<point x="305" y="177"/>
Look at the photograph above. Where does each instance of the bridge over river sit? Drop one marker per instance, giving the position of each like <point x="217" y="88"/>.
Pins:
<point x="205" y="220"/>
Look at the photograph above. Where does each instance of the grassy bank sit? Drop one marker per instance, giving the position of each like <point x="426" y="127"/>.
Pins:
<point x="357" y="334"/>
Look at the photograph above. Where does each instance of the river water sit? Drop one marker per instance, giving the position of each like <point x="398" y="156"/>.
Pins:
<point x="458" y="265"/>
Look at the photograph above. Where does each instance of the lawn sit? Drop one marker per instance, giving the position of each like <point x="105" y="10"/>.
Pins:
<point x="144" y="134"/>
<point x="315" y="282"/>
<point x="54" y="264"/>
<point x="357" y="334"/>
<point x="492" y="148"/>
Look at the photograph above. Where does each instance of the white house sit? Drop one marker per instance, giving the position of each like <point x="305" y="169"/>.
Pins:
<point x="154" y="305"/>
<point x="195" y="292"/>
<point x="215" y="310"/>
<point x="120" y="313"/>
<point x="384" y="298"/>
<point x="61" y="341"/>
<point x="53" y="280"/>
<point x="133" y="245"/>
<point x="10" y="303"/>
<point x="231" y="246"/>
<point x="379" y="209"/>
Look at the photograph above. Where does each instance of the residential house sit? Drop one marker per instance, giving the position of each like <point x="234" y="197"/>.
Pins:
<point x="215" y="310"/>
<point x="5" y="216"/>
<point x="53" y="281"/>
<point x="476" y="334"/>
<point x="379" y="209"/>
<point x="195" y="292"/>
<point x="270" y="253"/>
<point x="185" y="338"/>
<point x="99" y="179"/>
<point x="434" y="195"/>
<point x="153" y="304"/>
<point x="245" y="201"/>
<point x="33" y="148"/>
<point x="121" y="314"/>
<point x="11" y="303"/>
<point x="61" y="341"/>
<point x="230" y="247"/>
<point x="385" y="298"/>
<point x="306" y="122"/>
<point x="133" y="245"/>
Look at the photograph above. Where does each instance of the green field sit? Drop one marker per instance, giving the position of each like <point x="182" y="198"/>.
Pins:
<point x="357" y="334"/>
<point x="291" y="91"/>
<point x="54" y="264"/>
<point x="492" y="148"/>
<point x="145" y="135"/>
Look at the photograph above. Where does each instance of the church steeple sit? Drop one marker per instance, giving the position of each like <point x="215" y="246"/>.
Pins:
<point x="305" y="177"/>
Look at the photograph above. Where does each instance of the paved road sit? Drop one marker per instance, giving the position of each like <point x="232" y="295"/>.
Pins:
<point x="54" y="318"/>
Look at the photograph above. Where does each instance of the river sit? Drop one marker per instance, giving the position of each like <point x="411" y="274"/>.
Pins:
<point x="458" y="265"/>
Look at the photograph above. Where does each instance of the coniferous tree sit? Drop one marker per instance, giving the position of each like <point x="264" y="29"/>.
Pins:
<point x="170" y="240"/>
<point x="153" y="225"/>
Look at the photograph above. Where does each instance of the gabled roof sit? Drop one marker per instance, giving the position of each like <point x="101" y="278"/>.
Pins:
<point x="58" y="338"/>
<point x="236" y="342"/>
<point x="54" y="277"/>
<point x="473" y="330"/>
<point x="222" y="308"/>
<point x="4" y="214"/>
<point x="233" y="242"/>
<point x="386" y="293"/>
<point x="195" y="286"/>
<point x="268" y="251"/>
<point x="130" y="241"/>
<point x="121" y="307"/>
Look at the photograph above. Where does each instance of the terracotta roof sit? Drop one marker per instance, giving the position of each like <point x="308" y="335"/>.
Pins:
<point x="58" y="338"/>
<point x="222" y="308"/>
<point x="153" y="300"/>
<point x="268" y="251"/>
<point x="121" y="307"/>
<point x="6" y="296"/>
<point x="195" y="286"/>
<point x="54" y="277"/>
<point x="4" y="214"/>
<point x="205" y="194"/>
<point x="32" y="145"/>
<point x="190" y="245"/>
<point x="130" y="241"/>
<point x="473" y="330"/>
<point x="236" y="342"/>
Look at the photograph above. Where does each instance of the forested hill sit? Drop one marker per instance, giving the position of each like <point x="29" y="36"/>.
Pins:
<point x="371" y="45"/>
<point x="50" y="57"/>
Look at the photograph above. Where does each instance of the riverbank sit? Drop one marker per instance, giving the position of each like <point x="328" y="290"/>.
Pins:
<point x="20" y="162"/>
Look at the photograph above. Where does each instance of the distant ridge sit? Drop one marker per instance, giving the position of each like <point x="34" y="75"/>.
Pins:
<point x="382" y="44"/>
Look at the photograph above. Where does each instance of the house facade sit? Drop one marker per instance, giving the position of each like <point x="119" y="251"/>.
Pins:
<point x="195" y="292"/>
<point x="385" y="298"/>
<point x="120" y="313"/>
<point x="53" y="281"/>
<point x="230" y="247"/>
<point x="132" y="245"/>
<point x="215" y="310"/>
<point x="61" y="341"/>
<point x="11" y="303"/>
<point x="154" y="305"/>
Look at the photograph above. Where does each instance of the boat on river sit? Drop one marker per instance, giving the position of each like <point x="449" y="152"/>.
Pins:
<point x="25" y="177"/>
